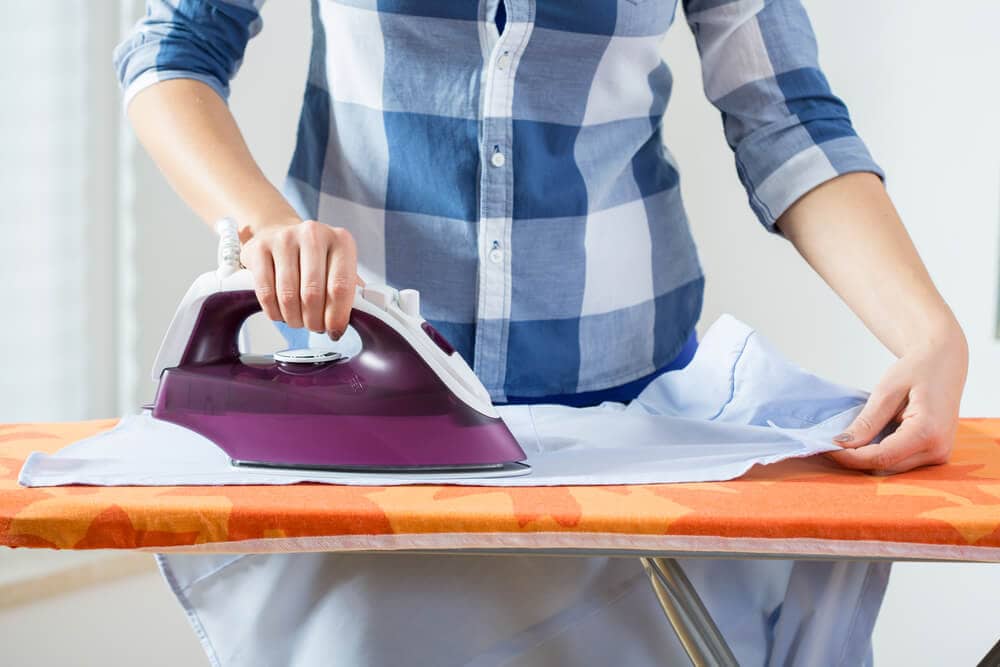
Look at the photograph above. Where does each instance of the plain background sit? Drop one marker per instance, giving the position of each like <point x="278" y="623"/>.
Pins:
<point x="921" y="81"/>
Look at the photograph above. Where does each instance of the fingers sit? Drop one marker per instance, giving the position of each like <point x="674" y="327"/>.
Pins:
<point x="254" y="256"/>
<point x="313" y="252"/>
<point x="285" y="250"/>
<point x="882" y="407"/>
<point x="914" y="443"/>
<point x="909" y="463"/>
<point x="305" y="274"/>
<point x="915" y="461"/>
<point x="342" y="279"/>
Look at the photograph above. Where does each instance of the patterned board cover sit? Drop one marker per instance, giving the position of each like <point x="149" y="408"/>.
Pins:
<point x="797" y="507"/>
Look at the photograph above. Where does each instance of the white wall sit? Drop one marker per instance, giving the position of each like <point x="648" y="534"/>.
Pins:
<point x="921" y="85"/>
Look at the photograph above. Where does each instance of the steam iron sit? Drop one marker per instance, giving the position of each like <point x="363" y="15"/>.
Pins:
<point x="406" y="403"/>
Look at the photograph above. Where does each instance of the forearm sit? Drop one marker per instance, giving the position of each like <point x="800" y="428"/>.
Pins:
<point x="194" y="140"/>
<point x="848" y="230"/>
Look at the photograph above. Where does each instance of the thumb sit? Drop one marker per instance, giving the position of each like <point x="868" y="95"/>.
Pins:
<point x="882" y="406"/>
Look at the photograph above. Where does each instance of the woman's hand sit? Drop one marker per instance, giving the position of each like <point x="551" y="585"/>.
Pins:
<point x="304" y="274"/>
<point x="849" y="231"/>
<point x="921" y="391"/>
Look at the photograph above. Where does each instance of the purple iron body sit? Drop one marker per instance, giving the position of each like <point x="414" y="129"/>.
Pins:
<point x="406" y="402"/>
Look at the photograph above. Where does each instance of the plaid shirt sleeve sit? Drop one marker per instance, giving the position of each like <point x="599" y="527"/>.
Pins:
<point x="179" y="39"/>
<point x="788" y="131"/>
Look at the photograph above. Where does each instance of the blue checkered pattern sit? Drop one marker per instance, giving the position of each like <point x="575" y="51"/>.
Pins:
<point x="518" y="178"/>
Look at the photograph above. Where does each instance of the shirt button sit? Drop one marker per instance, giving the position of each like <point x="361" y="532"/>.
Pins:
<point x="498" y="159"/>
<point x="502" y="61"/>
<point x="496" y="254"/>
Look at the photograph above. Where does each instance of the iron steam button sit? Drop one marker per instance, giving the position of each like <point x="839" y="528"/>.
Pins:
<point x="378" y="295"/>
<point x="409" y="302"/>
<point x="438" y="339"/>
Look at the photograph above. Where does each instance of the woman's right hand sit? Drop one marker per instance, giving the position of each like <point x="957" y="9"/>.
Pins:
<point x="305" y="274"/>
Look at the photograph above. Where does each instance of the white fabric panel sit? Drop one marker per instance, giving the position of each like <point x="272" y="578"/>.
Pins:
<point x="621" y="88"/>
<point x="732" y="47"/>
<point x="619" y="258"/>
<point x="367" y="226"/>
<point x="794" y="178"/>
<point x="350" y="30"/>
<point x="308" y="609"/>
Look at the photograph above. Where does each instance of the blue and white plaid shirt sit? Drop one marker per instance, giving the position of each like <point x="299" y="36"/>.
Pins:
<point x="517" y="177"/>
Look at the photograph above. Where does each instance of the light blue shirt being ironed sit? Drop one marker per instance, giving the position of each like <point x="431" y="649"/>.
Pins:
<point x="518" y="177"/>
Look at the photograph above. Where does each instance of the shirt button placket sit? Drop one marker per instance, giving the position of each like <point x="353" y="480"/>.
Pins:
<point x="495" y="205"/>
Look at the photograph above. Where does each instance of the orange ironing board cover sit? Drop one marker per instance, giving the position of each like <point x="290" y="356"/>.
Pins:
<point x="796" y="508"/>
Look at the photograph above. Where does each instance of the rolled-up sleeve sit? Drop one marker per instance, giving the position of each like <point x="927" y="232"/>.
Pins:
<point x="187" y="39"/>
<point x="788" y="131"/>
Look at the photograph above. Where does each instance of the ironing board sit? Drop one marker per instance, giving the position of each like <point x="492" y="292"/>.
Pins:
<point x="800" y="508"/>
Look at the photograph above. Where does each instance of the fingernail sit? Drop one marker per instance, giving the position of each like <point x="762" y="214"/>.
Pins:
<point x="843" y="437"/>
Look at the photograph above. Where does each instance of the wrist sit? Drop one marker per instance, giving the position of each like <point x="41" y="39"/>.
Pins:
<point x="260" y="221"/>
<point x="937" y="330"/>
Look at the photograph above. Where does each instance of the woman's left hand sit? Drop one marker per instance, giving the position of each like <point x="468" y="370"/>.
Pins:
<point x="921" y="391"/>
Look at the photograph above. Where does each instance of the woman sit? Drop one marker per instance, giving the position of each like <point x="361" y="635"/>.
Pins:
<point x="505" y="158"/>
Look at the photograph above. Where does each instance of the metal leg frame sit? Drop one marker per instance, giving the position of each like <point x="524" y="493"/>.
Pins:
<point x="991" y="659"/>
<point x="693" y="624"/>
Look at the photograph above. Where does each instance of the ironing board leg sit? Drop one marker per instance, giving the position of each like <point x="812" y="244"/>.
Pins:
<point x="693" y="624"/>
